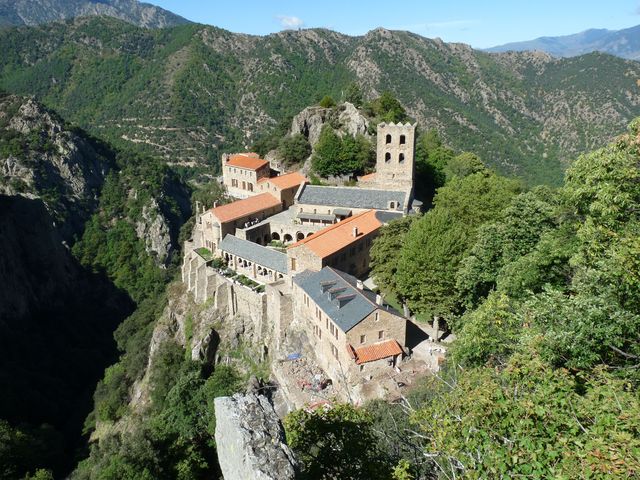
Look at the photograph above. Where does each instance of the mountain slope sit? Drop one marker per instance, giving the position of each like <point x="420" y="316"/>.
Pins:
<point x="34" y="12"/>
<point x="188" y="92"/>
<point x="622" y="43"/>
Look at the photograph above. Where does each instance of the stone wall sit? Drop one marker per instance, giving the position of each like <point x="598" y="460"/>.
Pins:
<point x="395" y="156"/>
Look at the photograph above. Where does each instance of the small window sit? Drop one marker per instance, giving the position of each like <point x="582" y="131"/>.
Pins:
<point x="401" y="158"/>
<point x="392" y="205"/>
<point x="380" y="334"/>
<point x="403" y="140"/>
<point x="363" y="338"/>
<point x="377" y="316"/>
<point x="387" y="157"/>
<point x="388" y="139"/>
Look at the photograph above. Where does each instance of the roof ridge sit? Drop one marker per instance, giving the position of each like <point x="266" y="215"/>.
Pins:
<point x="330" y="228"/>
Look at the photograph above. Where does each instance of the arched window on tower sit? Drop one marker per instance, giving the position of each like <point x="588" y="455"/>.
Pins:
<point x="387" y="157"/>
<point x="388" y="138"/>
<point x="403" y="139"/>
<point x="401" y="158"/>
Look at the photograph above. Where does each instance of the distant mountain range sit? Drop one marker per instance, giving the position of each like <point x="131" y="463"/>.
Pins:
<point x="35" y="12"/>
<point x="621" y="43"/>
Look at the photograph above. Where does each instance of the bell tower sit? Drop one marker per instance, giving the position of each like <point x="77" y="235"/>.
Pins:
<point x="395" y="165"/>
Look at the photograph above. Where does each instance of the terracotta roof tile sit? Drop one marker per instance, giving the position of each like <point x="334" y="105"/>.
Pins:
<point x="242" y="208"/>
<point x="377" y="351"/>
<point x="246" y="161"/>
<point x="367" y="177"/>
<point x="288" y="180"/>
<point x="337" y="236"/>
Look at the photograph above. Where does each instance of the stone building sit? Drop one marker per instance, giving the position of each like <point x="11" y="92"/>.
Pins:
<point x="214" y="224"/>
<point x="340" y="202"/>
<point x="241" y="173"/>
<point x="395" y="152"/>
<point x="259" y="263"/>
<point x="283" y="187"/>
<point x="349" y="329"/>
<point x="344" y="245"/>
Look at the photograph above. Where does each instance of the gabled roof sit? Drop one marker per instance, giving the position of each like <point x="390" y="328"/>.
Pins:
<point x="335" y="237"/>
<point x="288" y="180"/>
<point x="248" y="161"/>
<point x="338" y="297"/>
<point x="243" y="208"/>
<point x="351" y="197"/>
<point x="376" y="351"/>
<point x="255" y="253"/>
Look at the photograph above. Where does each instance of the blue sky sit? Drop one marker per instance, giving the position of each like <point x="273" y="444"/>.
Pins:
<point x="476" y="22"/>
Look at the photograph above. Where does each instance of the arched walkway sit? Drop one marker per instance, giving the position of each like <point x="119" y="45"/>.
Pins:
<point x="275" y="236"/>
<point x="287" y="237"/>
<point x="299" y="236"/>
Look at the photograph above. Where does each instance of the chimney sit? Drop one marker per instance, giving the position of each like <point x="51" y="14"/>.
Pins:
<point x="355" y="232"/>
<point x="379" y="299"/>
<point x="359" y="285"/>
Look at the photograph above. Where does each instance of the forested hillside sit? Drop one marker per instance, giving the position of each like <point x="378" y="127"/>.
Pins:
<point x="188" y="92"/>
<point x="88" y="234"/>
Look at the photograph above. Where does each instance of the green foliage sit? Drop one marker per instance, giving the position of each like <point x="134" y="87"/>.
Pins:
<point x="327" y="102"/>
<point x="385" y="253"/>
<point x="515" y="235"/>
<point x="341" y="156"/>
<point x="463" y="165"/>
<point x="530" y="420"/>
<point x="335" y="442"/>
<point x="353" y="94"/>
<point x="387" y="108"/>
<point x="25" y="449"/>
<point x="437" y="242"/>
<point x="431" y="158"/>
<point x="488" y="334"/>
<point x="294" y="149"/>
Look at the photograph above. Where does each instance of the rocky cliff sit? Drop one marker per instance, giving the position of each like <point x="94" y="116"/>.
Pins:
<point x="345" y="119"/>
<point x="250" y="440"/>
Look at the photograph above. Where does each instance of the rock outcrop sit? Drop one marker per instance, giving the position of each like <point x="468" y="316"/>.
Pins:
<point x="153" y="229"/>
<point x="345" y="119"/>
<point x="250" y="440"/>
<point x="45" y="159"/>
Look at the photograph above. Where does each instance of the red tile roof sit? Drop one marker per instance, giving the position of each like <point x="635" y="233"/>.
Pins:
<point x="247" y="160"/>
<point x="243" y="208"/>
<point x="335" y="237"/>
<point x="377" y="351"/>
<point x="288" y="180"/>
<point x="367" y="177"/>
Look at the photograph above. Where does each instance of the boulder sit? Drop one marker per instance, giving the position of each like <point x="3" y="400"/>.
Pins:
<point x="250" y="440"/>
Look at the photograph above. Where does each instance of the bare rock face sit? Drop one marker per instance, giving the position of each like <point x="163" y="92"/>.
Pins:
<point x="250" y="440"/>
<point x="345" y="119"/>
<point x="153" y="229"/>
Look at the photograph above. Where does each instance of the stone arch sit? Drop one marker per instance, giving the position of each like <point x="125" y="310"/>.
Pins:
<point x="387" y="157"/>
<point x="309" y="234"/>
<point x="387" y="139"/>
<point x="403" y="139"/>
<point x="275" y="236"/>
<point x="299" y="236"/>
<point x="401" y="158"/>
<point x="287" y="237"/>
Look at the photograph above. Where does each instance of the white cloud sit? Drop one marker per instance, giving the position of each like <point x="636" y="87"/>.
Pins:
<point x="288" y="21"/>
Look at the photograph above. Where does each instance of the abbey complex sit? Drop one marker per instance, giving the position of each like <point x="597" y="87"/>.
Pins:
<point x="295" y="258"/>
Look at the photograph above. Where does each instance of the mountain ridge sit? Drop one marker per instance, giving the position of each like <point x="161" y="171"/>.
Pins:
<point x="190" y="92"/>
<point x="624" y="43"/>
<point x="35" y="12"/>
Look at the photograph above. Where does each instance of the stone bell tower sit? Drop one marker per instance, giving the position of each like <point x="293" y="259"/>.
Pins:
<point x="395" y="164"/>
